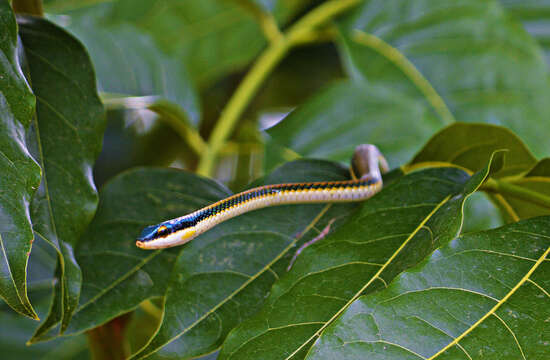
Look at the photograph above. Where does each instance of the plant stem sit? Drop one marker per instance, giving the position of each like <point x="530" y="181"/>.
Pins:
<point x="517" y="192"/>
<point x="31" y="7"/>
<point x="408" y="68"/>
<point x="259" y="72"/>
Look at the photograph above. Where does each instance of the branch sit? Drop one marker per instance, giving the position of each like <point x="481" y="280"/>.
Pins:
<point x="259" y="72"/>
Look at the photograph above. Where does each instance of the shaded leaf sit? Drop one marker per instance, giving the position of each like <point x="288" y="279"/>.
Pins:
<point x="334" y="121"/>
<point x="535" y="16"/>
<point x="536" y="180"/>
<point x="465" y="57"/>
<point x="227" y="272"/>
<point x="16" y="330"/>
<point x="484" y="295"/>
<point x="65" y="139"/>
<point x="20" y="173"/>
<point x="392" y="232"/>
<point x="212" y="37"/>
<point x="118" y="276"/>
<point x="128" y="61"/>
<point x="471" y="145"/>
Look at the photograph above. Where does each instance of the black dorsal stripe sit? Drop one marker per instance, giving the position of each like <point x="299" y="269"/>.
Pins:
<point x="267" y="190"/>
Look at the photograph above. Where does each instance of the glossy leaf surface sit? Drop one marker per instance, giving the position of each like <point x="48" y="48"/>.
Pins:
<point x="20" y="175"/>
<point x="484" y="295"/>
<point x="392" y="232"/>
<point x="65" y="139"/>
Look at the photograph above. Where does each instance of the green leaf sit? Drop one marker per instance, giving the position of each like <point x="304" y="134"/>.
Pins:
<point x="393" y="231"/>
<point x="213" y="37"/>
<point x="20" y="173"/>
<point x="116" y="275"/>
<point x="16" y="330"/>
<point x="128" y="61"/>
<point x="483" y="295"/>
<point x="535" y="16"/>
<point x="468" y="60"/>
<point x="471" y="145"/>
<point x="227" y="272"/>
<point x="536" y="180"/>
<point x="65" y="139"/>
<point x="334" y="121"/>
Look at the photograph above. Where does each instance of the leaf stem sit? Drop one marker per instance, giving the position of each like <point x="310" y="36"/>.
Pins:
<point x="518" y="192"/>
<point x="266" y="21"/>
<point x="259" y="72"/>
<point x="408" y="68"/>
<point x="31" y="7"/>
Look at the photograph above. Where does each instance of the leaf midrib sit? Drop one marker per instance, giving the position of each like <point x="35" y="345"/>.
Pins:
<point x="310" y="226"/>
<point x="498" y="304"/>
<point x="372" y="279"/>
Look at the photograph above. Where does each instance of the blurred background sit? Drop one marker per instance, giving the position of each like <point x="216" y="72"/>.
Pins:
<point x="167" y="68"/>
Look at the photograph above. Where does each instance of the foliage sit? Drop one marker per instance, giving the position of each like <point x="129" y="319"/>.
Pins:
<point x="449" y="260"/>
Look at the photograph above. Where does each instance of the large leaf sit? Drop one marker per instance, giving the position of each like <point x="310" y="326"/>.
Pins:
<point x="535" y="16"/>
<point x="393" y="231"/>
<point x="20" y="173"/>
<point x="118" y="276"/>
<point x="128" y="61"/>
<point x="484" y="295"/>
<point x="332" y="122"/>
<point x="212" y="37"/>
<point x="227" y="272"/>
<point x="66" y="138"/>
<point x="466" y="56"/>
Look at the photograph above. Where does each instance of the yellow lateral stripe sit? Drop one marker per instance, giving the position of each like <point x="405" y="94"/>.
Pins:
<point x="495" y="308"/>
<point x="373" y="278"/>
<point x="285" y="192"/>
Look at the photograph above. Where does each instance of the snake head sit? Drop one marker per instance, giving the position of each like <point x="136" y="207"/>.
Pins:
<point x="164" y="235"/>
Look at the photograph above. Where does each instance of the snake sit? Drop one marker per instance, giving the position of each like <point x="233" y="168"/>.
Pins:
<point x="366" y="165"/>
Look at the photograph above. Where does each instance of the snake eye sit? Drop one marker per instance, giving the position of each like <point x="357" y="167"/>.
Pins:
<point x="162" y="230"/>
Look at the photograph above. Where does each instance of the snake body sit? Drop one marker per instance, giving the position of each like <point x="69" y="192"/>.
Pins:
<point x="185" y="228"/>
